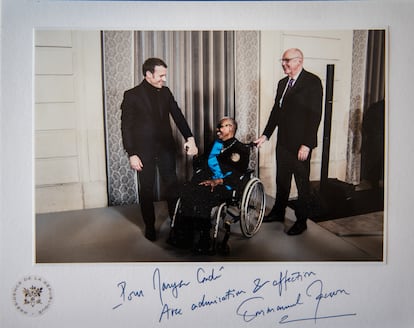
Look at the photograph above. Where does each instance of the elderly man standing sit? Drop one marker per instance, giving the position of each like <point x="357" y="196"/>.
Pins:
<point x="297" y="113"/>
<point x="148" y="140"/>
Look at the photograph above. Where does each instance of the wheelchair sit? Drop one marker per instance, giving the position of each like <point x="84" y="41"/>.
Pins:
<point x="246" y="206"/>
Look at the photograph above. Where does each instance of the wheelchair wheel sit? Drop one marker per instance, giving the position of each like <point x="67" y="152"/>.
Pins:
<point x="218" y="224"/>
<point x="181" y="229"/>
<point x="177" y="210"/>
<point x="220" y="231"/>
<point x="252" y="208"/>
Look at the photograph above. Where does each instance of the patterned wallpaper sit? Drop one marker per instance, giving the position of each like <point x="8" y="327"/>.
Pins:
<point x="118" y="77"/>
<point x="353" y="169"/>
<point x="247" y="87"/>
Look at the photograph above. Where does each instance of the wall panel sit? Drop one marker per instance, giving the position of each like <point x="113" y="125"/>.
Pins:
<point x="54" y="88"/>
<point x="57" y="198"/>
<point x="56" y="143"/>
<point x="56" y="171"/>
<point x="57" y="61"/>
<point x="69" y="138"/>
<point x="53" y="38"/>
<point x="55" y="116"/>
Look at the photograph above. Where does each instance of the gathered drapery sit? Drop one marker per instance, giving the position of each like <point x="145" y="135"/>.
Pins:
<point x="373" y="122"/>
<point x="367" y="90"/>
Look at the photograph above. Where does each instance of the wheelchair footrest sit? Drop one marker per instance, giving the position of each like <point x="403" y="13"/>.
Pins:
<point x="234" y="213"/>
<point x="232" y="220"/>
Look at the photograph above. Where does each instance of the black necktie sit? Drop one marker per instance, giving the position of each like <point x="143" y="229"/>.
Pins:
<point x="290" y="84"/>
<point x="287" y="89"/>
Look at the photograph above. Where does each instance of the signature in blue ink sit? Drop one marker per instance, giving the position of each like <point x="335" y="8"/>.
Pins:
<point x="162" y="287"/>
<point x="127" y="295"/>
<point x="315" y="291"/>
<point x="253" y="307"/>
<point x="203" y="277"/>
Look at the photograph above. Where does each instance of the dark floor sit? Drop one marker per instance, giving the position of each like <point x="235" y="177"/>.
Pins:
<point x="115" y="234"/>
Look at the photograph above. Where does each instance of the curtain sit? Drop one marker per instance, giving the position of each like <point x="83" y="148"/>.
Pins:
<point x="373" y="123"/>
<point x="375" y="71"/>
<point x="367" y="89"/>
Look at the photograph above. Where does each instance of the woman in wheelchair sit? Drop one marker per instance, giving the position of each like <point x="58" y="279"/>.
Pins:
<point x="216" y="174"/>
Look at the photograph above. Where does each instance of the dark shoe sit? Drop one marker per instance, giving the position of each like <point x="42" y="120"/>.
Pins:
<point x="224" y="249"/>
<point x="201" y="250"/>
<point x="202" y="247"/>
<point x="179" y="240"/>
<point x="272" y="217"/>
<point x="297" y="228"/>
<point x="150" y="234"/>
<point x="172" y="239"/>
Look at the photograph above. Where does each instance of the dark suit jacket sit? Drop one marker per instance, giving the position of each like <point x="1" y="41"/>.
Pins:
<point x="234" y="159"/>
<point x="299" y="116"/>
<point x="145" y="128"/>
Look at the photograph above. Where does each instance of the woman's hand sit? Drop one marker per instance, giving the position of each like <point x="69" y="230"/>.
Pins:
<point x="211" y="183"/>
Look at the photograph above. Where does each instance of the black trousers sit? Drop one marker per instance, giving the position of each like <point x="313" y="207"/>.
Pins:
<point x="288" y="165"/>
<point x="165" y="162"/>
<point x="197" y="203"/>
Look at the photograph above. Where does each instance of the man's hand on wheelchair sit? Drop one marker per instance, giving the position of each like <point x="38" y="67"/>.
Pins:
<point x="211" y="183"/>
<point x="259" y="141"/>
<point x="190" y="147"/>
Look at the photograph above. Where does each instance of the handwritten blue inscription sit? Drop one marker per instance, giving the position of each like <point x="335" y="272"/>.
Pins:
<point x="127" y="295"/>
<point x="291" y="297"/>
<point x="161" y="286"/>
<point x="169" y="312"/>
<point x="285" y="279"/>
<point x="228" y="295"/>
<point x="203" y="277"/>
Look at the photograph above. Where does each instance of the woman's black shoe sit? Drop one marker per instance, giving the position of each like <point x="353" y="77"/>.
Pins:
<point x="150" y="234"/>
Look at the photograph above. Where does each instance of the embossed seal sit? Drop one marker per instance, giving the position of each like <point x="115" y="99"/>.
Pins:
<point x="32" y="296"/>
<point x="235" y="157"/>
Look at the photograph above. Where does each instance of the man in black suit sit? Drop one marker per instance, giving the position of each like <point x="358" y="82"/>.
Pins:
<point x="217" y="173"/>
<point x="297" y="113"/>
<point x="148" y="140"/>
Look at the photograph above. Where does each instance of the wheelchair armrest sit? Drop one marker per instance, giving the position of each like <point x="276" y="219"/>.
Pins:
<point x="246" y="176"/>
<point x="238" y="191"/>
<point x="249" y="172"/>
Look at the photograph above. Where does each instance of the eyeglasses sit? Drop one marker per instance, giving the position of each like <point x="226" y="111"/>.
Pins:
<point x="287" y="60"/>
<point x="219" y="126"/>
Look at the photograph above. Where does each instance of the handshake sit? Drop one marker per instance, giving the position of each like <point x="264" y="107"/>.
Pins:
<point x="190" y="147"/>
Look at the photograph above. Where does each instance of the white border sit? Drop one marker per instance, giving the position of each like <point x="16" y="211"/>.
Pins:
<point x="85" y="294"/>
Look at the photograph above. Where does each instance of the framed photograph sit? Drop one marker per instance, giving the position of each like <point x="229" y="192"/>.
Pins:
<point x="84" y="181"/>
<point x="73" y="245"/>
